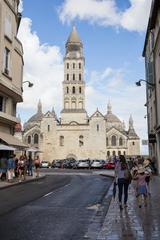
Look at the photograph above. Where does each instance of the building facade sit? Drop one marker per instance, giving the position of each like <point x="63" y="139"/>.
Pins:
<point x="11" y="67"/>
<point x="75" y="134"/>
<point x="151" y="53"/>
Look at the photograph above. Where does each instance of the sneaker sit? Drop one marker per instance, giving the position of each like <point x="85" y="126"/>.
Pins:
<point x="125" y="205"/>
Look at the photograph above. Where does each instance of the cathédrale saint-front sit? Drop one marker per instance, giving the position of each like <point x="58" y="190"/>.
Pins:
<point x="75" y="134"/>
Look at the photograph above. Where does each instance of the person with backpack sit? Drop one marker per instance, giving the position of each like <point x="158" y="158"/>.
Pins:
<point x="123" y="176"/>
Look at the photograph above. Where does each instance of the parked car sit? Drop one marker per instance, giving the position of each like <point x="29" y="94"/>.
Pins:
<point x="45" y="164"/>
<point x="83" y="164"/>
<point x="57" y="163"/>
<point x="109" y="165"/>
<point x="97" y="164"/>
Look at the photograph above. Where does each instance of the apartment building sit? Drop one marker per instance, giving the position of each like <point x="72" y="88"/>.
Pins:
<point x="11" y="69"/>
<point x="151" y="53"/>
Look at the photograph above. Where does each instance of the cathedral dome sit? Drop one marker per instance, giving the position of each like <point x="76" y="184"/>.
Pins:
<point x="38" y="116"/>
<point x="35" y="119"/>
<point x="110" y="117"/>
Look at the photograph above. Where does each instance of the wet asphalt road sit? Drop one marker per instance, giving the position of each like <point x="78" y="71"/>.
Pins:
<point x="55" y="208"/>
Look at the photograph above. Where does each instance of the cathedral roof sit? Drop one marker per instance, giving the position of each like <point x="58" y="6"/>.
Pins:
<point x="38" y="116"/>
<point x="74" y="37"/>
<point x="110" y="117"/>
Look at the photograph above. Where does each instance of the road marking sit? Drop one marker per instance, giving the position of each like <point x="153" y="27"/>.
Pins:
<point x="47" y="194"/>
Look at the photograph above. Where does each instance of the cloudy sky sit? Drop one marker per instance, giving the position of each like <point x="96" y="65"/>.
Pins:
<point x="112" y="32"/>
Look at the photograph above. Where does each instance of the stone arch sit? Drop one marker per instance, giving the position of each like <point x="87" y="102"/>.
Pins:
<point x="71" y="156"/>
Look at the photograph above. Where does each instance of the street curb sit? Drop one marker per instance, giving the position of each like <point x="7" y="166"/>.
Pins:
<point x="24" y="182"/>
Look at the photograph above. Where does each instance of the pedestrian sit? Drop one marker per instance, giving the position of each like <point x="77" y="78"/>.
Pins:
<point x="37" y="165"/>
<point x="22" y="168"/>
<point x="10" y="168"/>
<point x="124" y="177"/>
<point x="141" y="186"/>
<point x="148" y="169"/>
<point x="3" y="168"/>
<point x="30" y="165"/>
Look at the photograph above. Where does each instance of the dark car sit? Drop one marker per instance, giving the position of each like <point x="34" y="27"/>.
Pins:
<point x="57" y="163"/>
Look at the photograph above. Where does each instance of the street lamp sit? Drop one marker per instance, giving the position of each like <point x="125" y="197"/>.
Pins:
<point x="142" y="80"/>
<point x="29" y="83"/>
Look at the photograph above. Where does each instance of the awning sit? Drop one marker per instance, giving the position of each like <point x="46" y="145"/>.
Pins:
<point x="11" y="140"/>
<point x="33" y="150"/>
<point x="6" y="148"/>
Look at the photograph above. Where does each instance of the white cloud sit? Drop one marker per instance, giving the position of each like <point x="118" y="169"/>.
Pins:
<point x="20" y="7"/>
<point x="43" y="66"/>
<point x="126" y="98"/>
<point x="135" y="17"/>
<point x="106" y="13"/>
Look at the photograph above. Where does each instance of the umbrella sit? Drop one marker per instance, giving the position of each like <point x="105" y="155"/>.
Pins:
<point x="6" y="148"/>
<point x="33" y="150"/>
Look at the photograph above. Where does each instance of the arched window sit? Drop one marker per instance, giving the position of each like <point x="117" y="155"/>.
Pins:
<point x="107" y="142"/>
<point x="120" y="141"/>
<point x="114" y="153"/>
<point x="36" y="138"/>
<point x="133" y="143"/>
<point x="67" y="76"/>
<point x="29" y="139"/>
<point x="73" y="65"/>
<point x="80" y="90"/>
<point x="61" y="140"/>
<point x="48" y="128"/>
<point x="73" y="90"/>
<point x="97" y="127"/>
<point x="67" y="65"/>
<point x="108" y="153"/>
<point x="67" y="90"/>
<point x="113" y="141"/>
<point x="81" y="143"/>
<point x="124" y="153"/>
<point x="80" y="77"/>
<point x="79" y="65"/>
<point x="73" y="76"/>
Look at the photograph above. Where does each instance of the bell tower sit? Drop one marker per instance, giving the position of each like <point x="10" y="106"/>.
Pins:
<point x="73" y="84"/>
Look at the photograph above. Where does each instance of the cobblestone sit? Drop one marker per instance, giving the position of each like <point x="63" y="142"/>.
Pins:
<point x="132" y="222"/>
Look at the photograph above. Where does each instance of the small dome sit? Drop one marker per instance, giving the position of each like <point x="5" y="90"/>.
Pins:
<point x="110" y="117"/>
<point x="38" y="116"/>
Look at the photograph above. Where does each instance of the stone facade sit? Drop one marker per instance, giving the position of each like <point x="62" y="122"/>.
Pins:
<point x="11" y="68"/>
<point x="77" y="135"/>
<point x="151" y="53"/>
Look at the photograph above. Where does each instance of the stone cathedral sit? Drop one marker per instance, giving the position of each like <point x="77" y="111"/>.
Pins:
<point x="75" y="134"/>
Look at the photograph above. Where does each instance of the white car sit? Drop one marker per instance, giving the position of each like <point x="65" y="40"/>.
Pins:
<point x="97" y="164"/>
<point x="83" y="164"/>
<point x="45" y="164"/>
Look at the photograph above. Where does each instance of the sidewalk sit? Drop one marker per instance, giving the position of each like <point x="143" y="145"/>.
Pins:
<point x="133" y="223"/>
<point x="5" y="184"/>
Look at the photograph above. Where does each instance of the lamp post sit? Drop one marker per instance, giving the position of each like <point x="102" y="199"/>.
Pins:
<point x="29" y="84"/>
<point x="138" y="84"/>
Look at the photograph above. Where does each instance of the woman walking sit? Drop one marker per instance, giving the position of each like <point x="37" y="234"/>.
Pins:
<point x="37" y="165"/>
<point x="124" y="178"/>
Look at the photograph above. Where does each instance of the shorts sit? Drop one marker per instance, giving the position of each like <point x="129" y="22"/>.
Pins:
<point x="37" y="165"/>
<point x="142" y="190"/>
